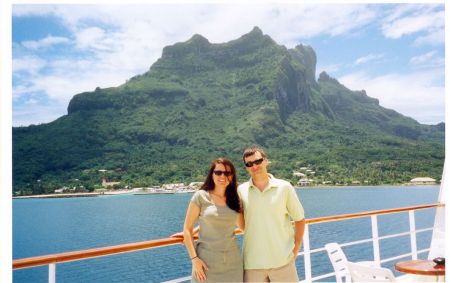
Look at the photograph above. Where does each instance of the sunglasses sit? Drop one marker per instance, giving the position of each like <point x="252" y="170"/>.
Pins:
<point x="251" y="163"/>
<point x="226" y="173"/>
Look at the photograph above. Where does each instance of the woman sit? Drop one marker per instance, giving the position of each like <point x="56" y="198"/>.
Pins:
<point x="216" y="257"/>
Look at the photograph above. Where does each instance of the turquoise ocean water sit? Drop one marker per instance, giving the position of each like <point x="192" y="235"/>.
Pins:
<point x="45" y="226"/>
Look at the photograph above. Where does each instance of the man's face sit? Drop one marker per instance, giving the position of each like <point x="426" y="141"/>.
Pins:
<point x="256" y="169"/>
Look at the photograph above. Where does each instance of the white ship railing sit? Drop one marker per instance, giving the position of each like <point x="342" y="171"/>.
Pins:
<point x="54" y="259"/>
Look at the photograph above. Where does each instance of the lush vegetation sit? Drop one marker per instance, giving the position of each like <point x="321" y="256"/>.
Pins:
<point x="202" y="100"/>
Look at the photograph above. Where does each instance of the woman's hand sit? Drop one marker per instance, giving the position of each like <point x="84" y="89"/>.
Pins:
<point x="199" y="268"/>
<point x="177" y="235"/>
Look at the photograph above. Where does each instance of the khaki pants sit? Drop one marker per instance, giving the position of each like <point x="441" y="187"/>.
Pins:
<point x="285" y="273"/>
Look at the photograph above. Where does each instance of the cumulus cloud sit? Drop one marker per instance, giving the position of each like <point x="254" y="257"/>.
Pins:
<point x="411" y="19"/>
<point x="422" y="58"/>
<point x="37" y="114"/>
<point x="63" y="87"/>
<point x="427" y="60"/>
<point x="30" y="64"/>
<point x="368" y="58"/>
<point x="45" y="42"/>
<point x="95" y="39"/>
<point x="436" y="37"/>
<point x="415" y="95"/>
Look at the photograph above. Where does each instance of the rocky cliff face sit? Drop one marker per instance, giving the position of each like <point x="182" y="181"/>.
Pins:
<point x="291" y="71"/>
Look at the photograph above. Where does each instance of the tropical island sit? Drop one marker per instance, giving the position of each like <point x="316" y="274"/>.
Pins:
<point x="201" y="100"/>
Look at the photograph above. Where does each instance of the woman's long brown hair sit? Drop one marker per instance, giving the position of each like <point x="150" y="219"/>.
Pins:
<point x="231" y="190"/>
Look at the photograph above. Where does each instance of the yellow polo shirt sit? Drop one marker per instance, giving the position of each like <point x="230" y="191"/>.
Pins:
<point x="269" y="235"/>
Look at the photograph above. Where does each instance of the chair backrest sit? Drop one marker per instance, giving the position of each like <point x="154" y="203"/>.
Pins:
<point x="339" y="262"/>
<point x="364" y="273"/>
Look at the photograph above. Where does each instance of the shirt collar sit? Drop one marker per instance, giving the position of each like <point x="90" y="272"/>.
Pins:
<point x="270" y="185"/>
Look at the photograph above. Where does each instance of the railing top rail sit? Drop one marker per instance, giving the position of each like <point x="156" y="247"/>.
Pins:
<point x="177" y="239"/>
<point x="92" y="253"/>
<point x="369" y="213"/>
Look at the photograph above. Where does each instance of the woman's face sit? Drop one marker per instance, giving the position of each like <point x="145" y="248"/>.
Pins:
<point x="219" y="175"/>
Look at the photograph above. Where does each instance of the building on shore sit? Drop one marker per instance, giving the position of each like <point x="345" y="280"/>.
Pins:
<point x="298" y="174"/>
<point x="304" y="182"/>
<point x="195" y="185"/>
<point x="422" y="181"/>
<point x="61" y="190"/>
<point x="106" y="184"/>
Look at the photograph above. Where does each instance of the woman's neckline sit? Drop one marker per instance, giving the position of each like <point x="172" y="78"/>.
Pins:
<point x="212" y="200"/>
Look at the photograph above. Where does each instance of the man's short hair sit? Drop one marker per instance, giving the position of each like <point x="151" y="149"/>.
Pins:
<point x="249" y="151"/>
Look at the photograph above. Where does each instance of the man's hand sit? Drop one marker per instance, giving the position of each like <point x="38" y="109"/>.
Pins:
<point x="295" y="251"/>
<point x="299" y="231"/>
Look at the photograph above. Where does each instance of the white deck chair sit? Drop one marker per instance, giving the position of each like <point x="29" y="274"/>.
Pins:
<point x="339" y="262"/>
<point x="364" y="273"/>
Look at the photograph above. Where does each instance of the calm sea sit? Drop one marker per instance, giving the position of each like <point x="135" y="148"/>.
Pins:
<point x="45" y="226"/>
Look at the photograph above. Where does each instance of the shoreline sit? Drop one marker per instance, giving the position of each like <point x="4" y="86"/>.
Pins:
<point x="138" y="191"/>
<point x="77" y="195"/>
<point x="74" y="195"/>
<point x="320" y="187"/>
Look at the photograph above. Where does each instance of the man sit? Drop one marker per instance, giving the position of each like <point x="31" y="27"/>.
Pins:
<point x="270" y="242"/>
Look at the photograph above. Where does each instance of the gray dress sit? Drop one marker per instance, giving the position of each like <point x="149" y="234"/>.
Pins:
<point x="217" y="245"/>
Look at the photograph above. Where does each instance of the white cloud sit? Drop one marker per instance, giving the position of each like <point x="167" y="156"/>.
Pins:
<point x="417" y="95"/>
<point x="45" y="42"/>
<point x="436" y="37"/>
<point x="25" y="115"/>
<point x="422" y="58"/>
<point x="294" y="22"/>
<point x="36" y="10"/>
<point x="20" y="90"/>
<point x="409" y="21"/>
<point x="427" y="60"/>
<point x="30" y="64"/>
<point x="62" y="88"/>
<point x="368" y="58"/>
<point x="95" y="39"/>
<point x="59" y="89"/>
<point x="399" y="11"/>
<point x="31" y="101"/>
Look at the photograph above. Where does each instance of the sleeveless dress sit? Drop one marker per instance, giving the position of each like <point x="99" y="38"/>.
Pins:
<point x="217" y="245"/>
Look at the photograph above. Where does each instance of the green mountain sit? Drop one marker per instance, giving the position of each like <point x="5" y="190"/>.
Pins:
<point x="202" y="100"/>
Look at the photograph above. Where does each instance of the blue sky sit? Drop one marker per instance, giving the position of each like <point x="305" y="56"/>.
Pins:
<point x="393" y="51"/>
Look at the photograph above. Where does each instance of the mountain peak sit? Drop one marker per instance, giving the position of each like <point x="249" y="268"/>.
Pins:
<point x="256" y="31"/>
<point x="196" y="44"/>
<point x="325" y="77"/>
<point x="198" y="38"/>
<point x="307" y="57"/>
<point x="255" y="36"/>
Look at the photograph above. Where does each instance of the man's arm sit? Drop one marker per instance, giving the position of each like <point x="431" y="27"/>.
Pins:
<point x="241" y="221"/>
<point x="296" y="211"/>
<point x="299" y="231"/>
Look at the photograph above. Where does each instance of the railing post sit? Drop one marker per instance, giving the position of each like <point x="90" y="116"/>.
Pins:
<point x="412" y="230"/>
<point x="52" y="273"/>
<point x="375" y="241"/>
<point x="307" y="254"/>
